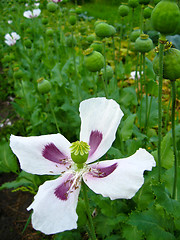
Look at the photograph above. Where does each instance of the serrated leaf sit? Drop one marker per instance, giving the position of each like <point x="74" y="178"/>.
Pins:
<point x="131" y="232"/>
<point x="152" y="224"/>
<point x="170" y="205"/>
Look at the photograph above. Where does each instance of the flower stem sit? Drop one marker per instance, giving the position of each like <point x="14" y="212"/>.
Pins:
<point x="173" y="86"/>
<point x="105" y="70"/>
<point x="54" y="116"/>
<point x="144" y="75"/>
<point x="115" y="65"/>
<point x="161" y="53"/>
<point x="91" y="226"/>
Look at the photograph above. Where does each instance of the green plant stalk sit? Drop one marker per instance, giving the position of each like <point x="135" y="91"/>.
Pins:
<point x="161" y="53"/>
<point x="75" y="68"/>
<point x="141" y="18"/>
<point x="141" y="91"/>
<point x="54" y="116"/>
<point x="144" y="75"/>
<point x="167" y="116"/>
<point x="91" y="226"/>
<point x="174" y="193"/>
<point x="130" y="30"/>
<point x="136" y="75"/>
<point x="121" y="35"/>
<point x="105" y="72"/>
<point x="115" y="64"/>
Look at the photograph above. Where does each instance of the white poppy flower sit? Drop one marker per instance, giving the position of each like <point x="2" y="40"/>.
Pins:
<point x="54" y="206"/>
<point x="10" y="21"/>
<point x="33" y="14"/>
<point x="10" y="39"/>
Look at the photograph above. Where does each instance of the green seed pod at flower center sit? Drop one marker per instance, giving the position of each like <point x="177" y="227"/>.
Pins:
<point x="79" y="152"/>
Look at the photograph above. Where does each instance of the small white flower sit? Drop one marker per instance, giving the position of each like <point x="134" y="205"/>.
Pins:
<point x="36" y="4"/>
<point x="133" y="75"/>
<point x="10" y="39"/>
<point x="10" y="21"/>
<point x="33" y="14"/>
<point x="26" y="5"/>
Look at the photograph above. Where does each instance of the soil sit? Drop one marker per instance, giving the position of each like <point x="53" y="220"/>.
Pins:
<point x="13" y="214"/>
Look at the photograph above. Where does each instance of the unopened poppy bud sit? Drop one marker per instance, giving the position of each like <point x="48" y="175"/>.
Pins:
<point x="78" y="10"/>
<point x="147" y="12"/>
<point x="27" y="43"/>
<point x="165" y="17"/>
<point x="133" y="3"/>
<point x="51" y="7"/>
<point x="94" y="60"/>
<point x="79" y="151"/>
<point x="123" y="10"/>
<point x="44" y="20"/>
<point x="72" y="19"/>
<point x="145" y="2"/>
<point x="143" y="43"/>
<point x="44" y="86"/>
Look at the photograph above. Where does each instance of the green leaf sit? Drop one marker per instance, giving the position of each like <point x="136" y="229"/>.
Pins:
<point x="167" y="157"/>
<point x="127" y="128"/>
<point x="128" y="97"/>
<point x="8" y="161"/>
<point x="131" y="232"/>
<point x="170" y="205"/>
<point x="152" y="223"/>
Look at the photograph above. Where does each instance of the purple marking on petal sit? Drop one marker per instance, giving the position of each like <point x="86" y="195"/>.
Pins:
<point x="101" y="172"/>
<point x="94" y="141"/>
<point x="62" y="191"/>
<point x="52" y="153"/>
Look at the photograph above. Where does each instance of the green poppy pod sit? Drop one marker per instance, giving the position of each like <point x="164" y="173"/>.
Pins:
<point x="44" y="86"/>
<point x="18" y="74"/>
<point x="165" y="17"/>
<point x="103" y="30"/>
<point x="135" y="34"/>
<point x="90" y="38"/>
<point x="72" y="19"/>
<point x="123" y="10"/>
<point x="78" y="10"/>
<point x="51" y="7"/>
<point x="109" y="72"/>
<point x="70" y="41"/>
<point x="133" y="3"/>
<point x="49" y="32"/>
<point x="143" y="43"/>
<point x="147" y="12"/>
<point x="171" y="63"/>
<point x="44" y="20"/>
<point x="97" y="46"/>
<point x="94" y="60"/>
<point x="27" y="43"/>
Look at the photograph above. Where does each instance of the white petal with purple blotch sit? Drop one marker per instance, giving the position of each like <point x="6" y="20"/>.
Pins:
<point x="27" y="14"/>
<point x="120" y="178"/>
<point x="100" y="118"/>
<point x="54" y="206"/>
<point x="46" y="154"/>
<point x="36" y="12"/>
